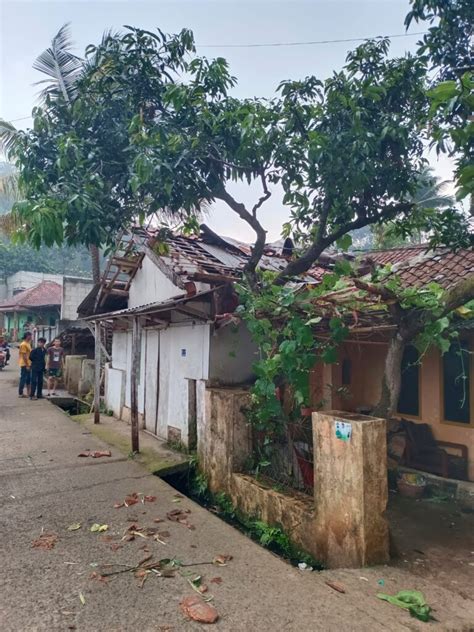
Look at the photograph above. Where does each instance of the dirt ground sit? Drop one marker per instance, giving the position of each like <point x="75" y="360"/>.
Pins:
<point x="434" y="540"/>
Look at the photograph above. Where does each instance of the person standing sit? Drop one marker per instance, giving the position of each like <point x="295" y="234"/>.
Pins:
<point x="38" y="367"/>
<point x="24" y="361"/>
<point x="55" y="365"/>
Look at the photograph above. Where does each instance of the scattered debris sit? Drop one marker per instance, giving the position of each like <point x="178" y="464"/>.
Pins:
<point x="364" y="579"/>
<point x="198" y="610"/>
<point x="99" y="528"/>
<point x="335" y="586"/>
<point x="134" y="498"/>
<point x="381" y="582"/>
<point x="221" y="560"/>
<point x="45" y="541"/>
<point x="411" y="600"/>
<point x="304" y="567"/>
<point x="82" y="599"/>
<point x="158" y="520"/>
<point x="95" y="454"/>
<point x="74" y="526"/>
<point x="181" y="516"/>
<point x="100" y="578"/>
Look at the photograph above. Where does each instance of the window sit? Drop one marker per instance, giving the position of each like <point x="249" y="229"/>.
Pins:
<point x="409" y="401"/>
<point x="346" y="372"/>
<point x="456" y="382"/>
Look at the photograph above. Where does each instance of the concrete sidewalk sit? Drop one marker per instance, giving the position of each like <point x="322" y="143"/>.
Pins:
<point x="45" y="486"/>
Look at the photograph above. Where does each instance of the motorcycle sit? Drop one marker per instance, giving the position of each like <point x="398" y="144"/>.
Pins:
<point x="3" y="359"/>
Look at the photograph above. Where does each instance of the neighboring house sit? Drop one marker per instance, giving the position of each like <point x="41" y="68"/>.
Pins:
<point x="48" y="306"/>
<point x="437" y="390"/>
<point x="38" y="306"/>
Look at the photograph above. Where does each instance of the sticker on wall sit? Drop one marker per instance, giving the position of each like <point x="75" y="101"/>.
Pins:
<point x="183" y="353"/>
<point x="343" y="430"/>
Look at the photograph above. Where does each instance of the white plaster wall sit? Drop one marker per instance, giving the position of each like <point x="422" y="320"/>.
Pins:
<point x="115" y="390"/>
<point x="150" y="285"/>
<point x="119" y="350"/>
<point x="176" y="368"/>
<point x="74" y="292"/>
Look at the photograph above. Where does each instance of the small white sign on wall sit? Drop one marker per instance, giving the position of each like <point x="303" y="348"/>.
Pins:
<point x="343" y="430"/>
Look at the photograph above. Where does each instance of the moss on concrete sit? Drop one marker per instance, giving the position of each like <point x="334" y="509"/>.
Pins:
<point x="152" y="460"/>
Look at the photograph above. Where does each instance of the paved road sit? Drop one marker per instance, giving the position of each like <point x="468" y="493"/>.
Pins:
<point x="46" y="487"/>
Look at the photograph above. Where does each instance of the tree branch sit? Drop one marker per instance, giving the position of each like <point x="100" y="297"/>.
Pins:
<point x="265" y="196"/>
<point x="309" y="257"/>
<point x="252" y="221"/>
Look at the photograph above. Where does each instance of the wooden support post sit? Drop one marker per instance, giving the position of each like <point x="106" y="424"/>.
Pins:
<point x="97" y="373"/>
<point x="136" y="343"/>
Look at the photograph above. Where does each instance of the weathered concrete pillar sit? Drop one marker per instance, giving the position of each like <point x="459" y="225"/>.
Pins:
<point x="350" y="489"/>
<point x="73" y="370"/>
<point x="224" y="436"/>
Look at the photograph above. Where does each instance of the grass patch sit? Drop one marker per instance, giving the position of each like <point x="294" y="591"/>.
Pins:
<point x="147" y="457"/>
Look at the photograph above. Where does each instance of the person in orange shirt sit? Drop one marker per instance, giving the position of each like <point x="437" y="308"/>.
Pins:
<point x="25" y="365"/>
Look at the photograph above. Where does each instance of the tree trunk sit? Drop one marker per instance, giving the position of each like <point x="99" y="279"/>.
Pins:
<point x="392" y="378"/>
<point x="95" y="259"/>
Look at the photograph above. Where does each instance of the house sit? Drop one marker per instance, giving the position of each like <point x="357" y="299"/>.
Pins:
<point x="38" y="306"/>
<point x="183" y="299"/>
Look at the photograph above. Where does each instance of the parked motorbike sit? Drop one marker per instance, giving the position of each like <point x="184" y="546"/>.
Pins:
<point x="3" y="360"/>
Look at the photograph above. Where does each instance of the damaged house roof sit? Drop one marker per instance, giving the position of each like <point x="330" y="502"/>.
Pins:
<point x="45" y="294"/>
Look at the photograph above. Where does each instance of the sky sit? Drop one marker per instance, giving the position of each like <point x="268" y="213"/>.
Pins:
<point x="26" y="28"/>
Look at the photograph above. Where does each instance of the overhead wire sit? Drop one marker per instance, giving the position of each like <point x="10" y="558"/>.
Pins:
<point x="282" y="44"/>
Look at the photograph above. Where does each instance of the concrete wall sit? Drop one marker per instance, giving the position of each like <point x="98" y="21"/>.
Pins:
<point x="74" y="292"/>
<point x="150" y="285"/>
<point x="232" y="355"/>
<point x="342" y="524"/>
<point x="25" y="279"/>
<point x="367" y="365"/>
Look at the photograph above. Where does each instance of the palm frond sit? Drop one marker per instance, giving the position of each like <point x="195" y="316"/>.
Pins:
<point x="9" y="138"/>
<point x="61" y="66"/>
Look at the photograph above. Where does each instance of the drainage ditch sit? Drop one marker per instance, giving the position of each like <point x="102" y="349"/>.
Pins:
<point x="71" y="405"/>
<point x="191" y="484"/>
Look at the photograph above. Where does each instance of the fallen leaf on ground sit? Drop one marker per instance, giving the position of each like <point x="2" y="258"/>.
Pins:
<point x="99" y="528"/>
<point x="81" y="597"/>
<point x="181" y="516"/>
<point x="158" y="520"/>
<point x="74" y="526"/>
<point x="221" y="560"/>
<point x="85" y="453"/>
<point x="149" y="499"/>
<point x="98" y="453"/>
<point x="336" y="586"/>
<point x="198" y="610"/>
<point x="45" y="541"/>
<point x="216" y="580"/>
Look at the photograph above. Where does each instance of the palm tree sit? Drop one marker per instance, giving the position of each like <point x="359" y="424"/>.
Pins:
<point x="63" y="69"/>
<point x="431" y="193"/>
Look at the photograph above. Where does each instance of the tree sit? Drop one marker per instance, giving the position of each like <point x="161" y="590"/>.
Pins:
<point x="448" y="48"/>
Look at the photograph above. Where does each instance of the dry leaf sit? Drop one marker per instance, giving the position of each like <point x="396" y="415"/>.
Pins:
<point x="336" y="586"/>
<point x="98" y="453"/>
<point x="149" y="499"/>
<point x="81" y="597"/>
<point x="74" y="526"/>
<point x="158" y="520"/>
<point x="221" y="560"/>
<point x="216" y="580"/>
<point x="198" y="610"/>
<point x="46" y="541"/>
<point x="99" y="528"/>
